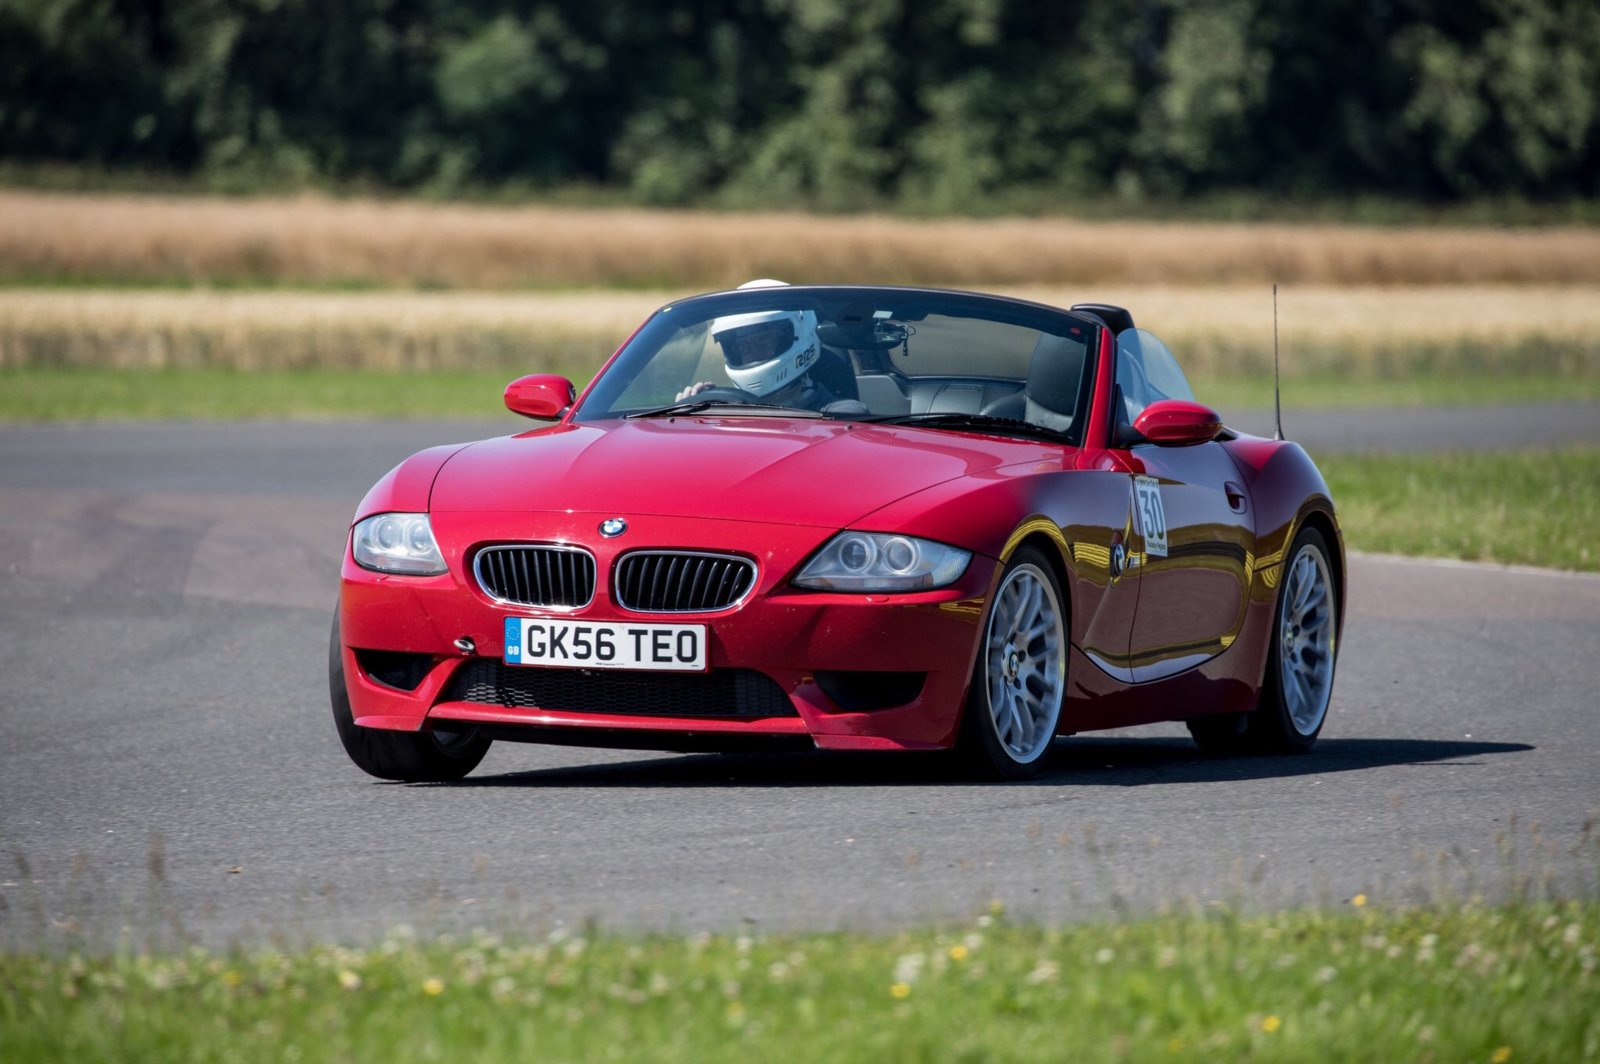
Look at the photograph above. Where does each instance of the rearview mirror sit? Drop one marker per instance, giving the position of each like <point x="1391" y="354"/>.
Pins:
<point x="545" y="396"/>
<point x="1178" y="423"/>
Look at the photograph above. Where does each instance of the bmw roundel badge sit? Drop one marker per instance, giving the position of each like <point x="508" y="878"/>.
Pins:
<point x="612" y="527"/>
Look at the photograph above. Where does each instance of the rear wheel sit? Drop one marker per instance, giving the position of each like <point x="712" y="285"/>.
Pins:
<point x="1014" y="705"/>
<point x="1294" y="700"/>
<point x="1221" y="733"/>
<point x="411" y="757"/>
<point x="1299" y="678"/>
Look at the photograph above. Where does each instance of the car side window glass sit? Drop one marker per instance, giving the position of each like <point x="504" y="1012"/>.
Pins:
<point x="1146" y="372"/>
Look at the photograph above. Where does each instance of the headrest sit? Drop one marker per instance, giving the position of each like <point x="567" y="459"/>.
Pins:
<point x="1053" y="377"/>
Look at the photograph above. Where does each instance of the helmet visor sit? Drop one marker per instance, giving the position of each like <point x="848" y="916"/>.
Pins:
<point x="749" y="345"/>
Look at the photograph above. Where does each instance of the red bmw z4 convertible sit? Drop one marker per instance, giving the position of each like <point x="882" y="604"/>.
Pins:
<point x="848" y="518"/>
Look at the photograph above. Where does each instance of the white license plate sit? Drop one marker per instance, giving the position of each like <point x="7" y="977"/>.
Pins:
<point x="588" y="645"/>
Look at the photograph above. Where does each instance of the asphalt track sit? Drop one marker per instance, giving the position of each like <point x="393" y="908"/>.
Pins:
<point x="169" y="771"/>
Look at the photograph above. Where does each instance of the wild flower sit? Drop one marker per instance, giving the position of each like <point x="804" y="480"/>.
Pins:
<point x="908" y="968"/>
<point x="1046" y="971"/>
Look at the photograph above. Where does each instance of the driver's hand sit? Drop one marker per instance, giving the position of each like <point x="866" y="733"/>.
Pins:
<point x="691" y="390"/>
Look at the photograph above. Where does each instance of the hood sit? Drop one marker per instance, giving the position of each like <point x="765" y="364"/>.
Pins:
<point x="775" y="470"/>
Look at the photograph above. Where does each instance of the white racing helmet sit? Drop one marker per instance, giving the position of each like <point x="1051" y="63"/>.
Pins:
<point x="767" y="350"/>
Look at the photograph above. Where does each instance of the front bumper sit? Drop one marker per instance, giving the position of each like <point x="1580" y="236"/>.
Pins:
<point x="773" y="659"/>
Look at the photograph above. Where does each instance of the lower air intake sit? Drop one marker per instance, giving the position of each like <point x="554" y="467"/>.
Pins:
<point x="742" y="693"/>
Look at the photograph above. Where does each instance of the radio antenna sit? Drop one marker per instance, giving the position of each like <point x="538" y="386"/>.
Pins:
<point x="1277" y="403"/>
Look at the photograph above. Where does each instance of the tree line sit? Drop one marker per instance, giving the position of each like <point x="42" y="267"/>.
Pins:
<point x="947" y="104"/>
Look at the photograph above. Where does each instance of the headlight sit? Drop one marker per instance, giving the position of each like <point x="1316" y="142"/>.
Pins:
<point x="397" y="543"/>
<point x="874" y="561"/>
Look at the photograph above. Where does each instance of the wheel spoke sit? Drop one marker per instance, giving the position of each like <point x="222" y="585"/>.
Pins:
<point x="1312" y="610"/>
<point x="1297" y="695"/>
<point x="1025" y="722"/>
<point x="1014" y="717"/>
<point x="1301" y="583"/>
<point x="1026" y="606"/>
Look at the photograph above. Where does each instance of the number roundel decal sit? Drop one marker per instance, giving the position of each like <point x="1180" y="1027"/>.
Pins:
<point x="1152" y="517"/>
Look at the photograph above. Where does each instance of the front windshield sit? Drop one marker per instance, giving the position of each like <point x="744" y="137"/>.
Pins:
<point x="950" y="360"/>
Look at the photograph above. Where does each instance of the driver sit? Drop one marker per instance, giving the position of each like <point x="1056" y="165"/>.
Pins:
<point x="769" y="354"/>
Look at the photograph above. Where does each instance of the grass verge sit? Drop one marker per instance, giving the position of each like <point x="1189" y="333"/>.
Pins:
<point x="1464" y="983"/>
<point x="1525" y="507"/>
<point x="86" y="393"/>
<point x="71" y="394"/>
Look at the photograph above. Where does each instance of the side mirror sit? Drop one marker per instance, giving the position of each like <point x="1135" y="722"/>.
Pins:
<point x="1178" y="423"/>
<point x="545" y="396"/>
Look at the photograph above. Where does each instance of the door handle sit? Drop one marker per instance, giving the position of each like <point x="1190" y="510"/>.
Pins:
<point x="1238" y="501"/>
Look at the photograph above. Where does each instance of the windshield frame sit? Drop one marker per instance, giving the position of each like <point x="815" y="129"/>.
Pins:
<point x="597" y="402"/>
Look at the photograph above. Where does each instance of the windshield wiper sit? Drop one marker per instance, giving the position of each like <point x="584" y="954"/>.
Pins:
<point x="983" y="422"/>
<point x="695" y="406"/>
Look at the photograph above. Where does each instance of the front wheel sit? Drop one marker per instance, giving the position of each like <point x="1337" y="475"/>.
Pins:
<point x="1020" y="680"/>
<point x="410" y="757"/>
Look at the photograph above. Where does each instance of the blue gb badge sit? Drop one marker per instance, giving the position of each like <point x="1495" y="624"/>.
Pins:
<point x="513" y="640"/>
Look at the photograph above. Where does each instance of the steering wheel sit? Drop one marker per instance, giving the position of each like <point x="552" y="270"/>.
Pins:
<point x="720" y="395"/>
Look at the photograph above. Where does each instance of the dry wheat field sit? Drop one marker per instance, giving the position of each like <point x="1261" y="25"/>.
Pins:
<point x="305" y="283"/>
<point x="318" y="242"/>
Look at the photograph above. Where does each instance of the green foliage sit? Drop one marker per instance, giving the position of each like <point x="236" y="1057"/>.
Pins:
<point x="1198" y="125"/>
<point x="1513" y="108"/>
<point x="1525" y="507"/>
<point x="1470" y="983"/>
<point x="945" y="105"/>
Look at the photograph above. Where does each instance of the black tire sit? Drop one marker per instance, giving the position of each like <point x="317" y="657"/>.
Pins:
<point x="1221" y="734"/>
<point x="1293" y="703"/>
<point x="410" y="757"/>
<point x="1020" y="679"/>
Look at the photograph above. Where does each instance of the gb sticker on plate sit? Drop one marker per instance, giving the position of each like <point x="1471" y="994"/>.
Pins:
<point x="1152" y="518"/>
